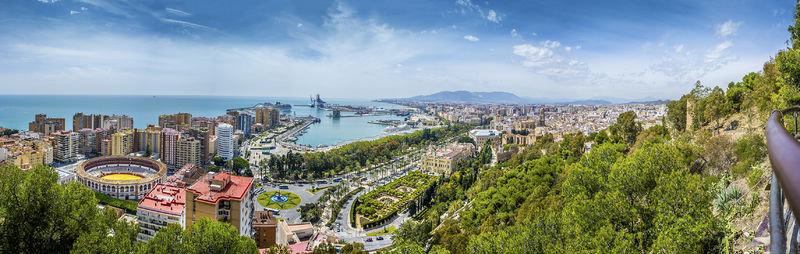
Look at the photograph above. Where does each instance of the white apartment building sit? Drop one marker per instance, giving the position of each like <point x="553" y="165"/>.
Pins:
<point x="225" y="141"/>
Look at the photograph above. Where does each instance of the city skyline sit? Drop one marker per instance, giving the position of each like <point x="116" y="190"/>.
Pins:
<point x="346" y="49"/>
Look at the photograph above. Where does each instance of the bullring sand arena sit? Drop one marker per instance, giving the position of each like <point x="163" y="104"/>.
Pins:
<point x="123" y="177"/>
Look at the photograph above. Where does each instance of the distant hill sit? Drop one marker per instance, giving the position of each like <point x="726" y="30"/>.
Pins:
<point x="469" y="97"/>
<point x="586" y="102"/>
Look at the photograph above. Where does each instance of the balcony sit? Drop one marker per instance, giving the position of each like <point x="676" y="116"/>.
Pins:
<point x="784" y="155"/>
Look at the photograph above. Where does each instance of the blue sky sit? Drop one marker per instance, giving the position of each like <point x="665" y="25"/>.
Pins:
<point x="379" y="49"/>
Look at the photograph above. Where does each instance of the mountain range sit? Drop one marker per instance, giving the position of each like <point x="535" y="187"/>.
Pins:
<point x="468" y="97"/>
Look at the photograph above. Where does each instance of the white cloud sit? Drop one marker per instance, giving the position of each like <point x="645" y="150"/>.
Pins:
<point x="679" y="48"/>
<point x="109" y="7"/>
<point x="299" y="25"/>
<point x="471" y="38"/>
<point x="728" y="28"/>
<point x="84" y="8"/>
<point x="493" y="17"/>
<point x="71" y="12"/>
<point x="534" y="56"/>
<point x="48" y="1"/>
<point x="718" y="51"/>
<point x="568" y="48"/>
<point x="514" y="33"/>
<point x="467" y="6"/>
<point x="185" y="23"/>
<point x="534" y="34"/>
<point x="578" y="47"/>
<point x="178" y="12"/>
<point x="551" y="44"/>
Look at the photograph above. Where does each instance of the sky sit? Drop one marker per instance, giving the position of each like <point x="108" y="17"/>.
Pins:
<point x="615" y="50"/>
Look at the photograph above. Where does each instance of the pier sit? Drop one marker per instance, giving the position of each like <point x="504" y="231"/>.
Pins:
<point x="294" y="132"/>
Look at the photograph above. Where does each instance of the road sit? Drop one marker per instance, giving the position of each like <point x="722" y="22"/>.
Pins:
<point x="292" y="215"/>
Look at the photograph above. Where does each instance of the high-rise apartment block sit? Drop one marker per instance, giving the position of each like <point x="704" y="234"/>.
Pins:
<point x="175" y="121"/>
<point x="225" y="141"/>
<point x="43" y="124"/>
<point x="118" y="122"/>
<point x="169" y="144"/>
<point x="65" y="145"/>
<point x="268" y="117"/>
<point x="203" y="134"/>
<point x="244" y="122"/>
<point x="148" y="140"/>
<point x="91" y="121"/>
<point x="188" y="152"/>
<point x="122" y="143"/>
<point x="274" y="117"/>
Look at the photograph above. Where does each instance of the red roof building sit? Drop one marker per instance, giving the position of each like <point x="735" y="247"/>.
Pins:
<point x="222" y="197"/>
<point x="163" y="205"/>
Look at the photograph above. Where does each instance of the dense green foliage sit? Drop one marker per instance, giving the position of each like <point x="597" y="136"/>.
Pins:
<point x="37" y="215"/>
<point x="358" y="154"/>
<point x="310" y="212"/>
<point x="204" y="236"/>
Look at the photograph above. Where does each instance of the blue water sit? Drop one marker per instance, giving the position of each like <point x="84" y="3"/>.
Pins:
<point x="17" y="110"/>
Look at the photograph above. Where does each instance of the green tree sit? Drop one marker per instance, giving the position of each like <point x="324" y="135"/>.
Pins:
<point x="628" y="127"/>
<point x="113" y="236"/>
<point x="676" y="113"/>
<point x="169" y="239"/>
<point x="41" y="216"/>
<point x="465" y="139"/>
<point x="218" y="161"/>
<point x="735" y="94"/>
<point x="238" y="164"/>
<point x="716" y="106"/>
<point x="204" y="236"/>
<point x="353" y="248"/>
<point x="794" y="30"/>
<point x="572" y="147"/>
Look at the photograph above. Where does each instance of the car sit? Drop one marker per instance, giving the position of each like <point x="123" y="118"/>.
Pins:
<point x="380" y="238"/>
<point x="369" y="240"/>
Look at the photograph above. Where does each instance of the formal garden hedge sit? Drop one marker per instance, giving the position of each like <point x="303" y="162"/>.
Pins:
<point x="397" y="195"/>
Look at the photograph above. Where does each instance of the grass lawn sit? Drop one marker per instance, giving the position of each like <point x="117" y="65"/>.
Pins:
<point x="318" y="189"/>
<point x="384" y="231"/>
<point x="264" y="200"/>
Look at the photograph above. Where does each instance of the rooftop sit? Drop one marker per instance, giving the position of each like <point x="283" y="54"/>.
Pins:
<point x="164" y="199"/>
<point x="264" y="218"/>
<point x="484" y="132"/>
<point x="210" y="190"/>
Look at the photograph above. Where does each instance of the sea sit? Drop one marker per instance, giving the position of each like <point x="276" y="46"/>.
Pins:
<point x="16" y="111"/>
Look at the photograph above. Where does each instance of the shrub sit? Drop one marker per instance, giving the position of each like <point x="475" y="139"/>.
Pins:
<point x="751" y="147"/>
<point x="755" y="176"/>
<point x="719" y="152"/>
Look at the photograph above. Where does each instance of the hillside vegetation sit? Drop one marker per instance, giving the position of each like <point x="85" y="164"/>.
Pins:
<point x="695" y="184"/>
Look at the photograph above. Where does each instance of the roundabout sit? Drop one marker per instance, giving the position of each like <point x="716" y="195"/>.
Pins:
<point x="279" y="200"/>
